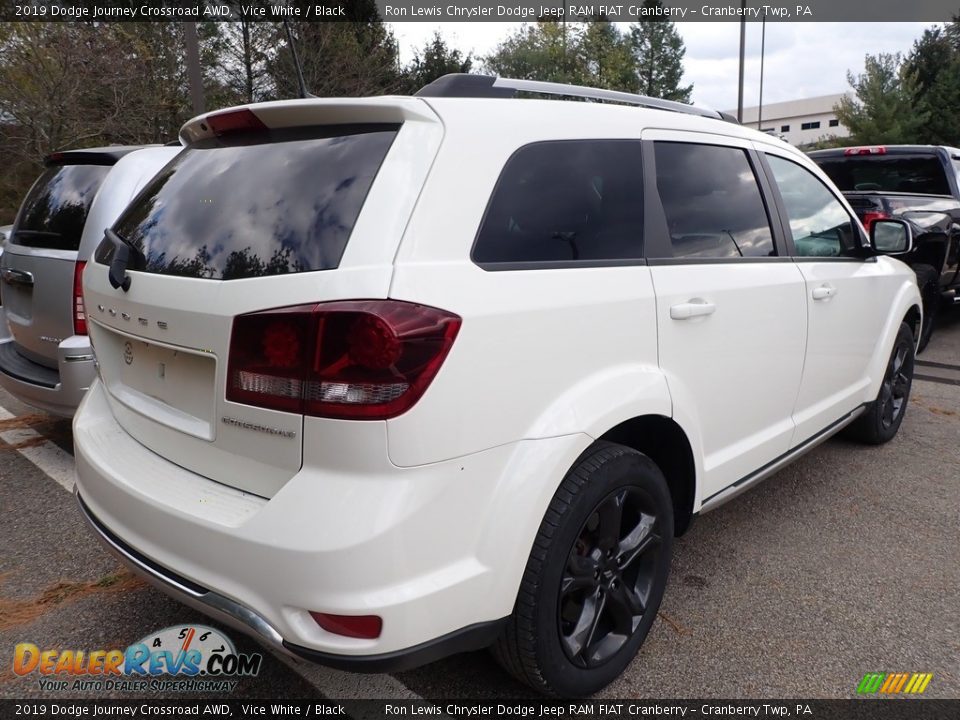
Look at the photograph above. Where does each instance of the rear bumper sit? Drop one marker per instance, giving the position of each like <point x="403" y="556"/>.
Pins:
<point x="242" y="618"/>
<point x="436" y="551"/>
<point x="56" y="391"/>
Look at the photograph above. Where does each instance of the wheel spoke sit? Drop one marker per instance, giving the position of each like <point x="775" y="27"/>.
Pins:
<point x="638" y="541"/>
<point x="586" y="625"/>
<point x="611" y="516"/>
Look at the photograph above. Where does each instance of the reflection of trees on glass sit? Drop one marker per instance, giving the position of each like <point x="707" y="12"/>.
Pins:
<point x="249" y="206"/>
<point x="56" y="208"/>
<point x="196" y="267"/>
<point x="245" y="263"/>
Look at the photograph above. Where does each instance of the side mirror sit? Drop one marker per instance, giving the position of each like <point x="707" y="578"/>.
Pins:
<point x="891" y="237"/>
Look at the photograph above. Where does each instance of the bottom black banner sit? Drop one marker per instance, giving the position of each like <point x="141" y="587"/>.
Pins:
<point x="886" y="709"/>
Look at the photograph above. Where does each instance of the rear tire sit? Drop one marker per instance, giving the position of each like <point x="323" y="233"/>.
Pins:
<point x="928" y="280"/>
<point x="595" y="577"/>
<point x="881" y="420"/>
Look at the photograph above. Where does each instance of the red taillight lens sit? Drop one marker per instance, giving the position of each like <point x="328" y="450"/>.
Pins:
<point x="234" y="121"/>
<point x="79" y="310"/>
<point x="873" y="150"/>
<point x="870" y="217"/>
<point x="355" y="626"/>
<point x="356" y="359"/>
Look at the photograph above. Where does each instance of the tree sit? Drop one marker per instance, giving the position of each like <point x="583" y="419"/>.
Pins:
<point x="606" y="54"/>
<point x="434" y="60"/>
<point x="658" y="53"/>
<point x="884" y="110"/>
<point x="354" y="58"/>
<point x="593" y="53"/>
<point x="546" y="50"/>
<point x="934" y="61"/>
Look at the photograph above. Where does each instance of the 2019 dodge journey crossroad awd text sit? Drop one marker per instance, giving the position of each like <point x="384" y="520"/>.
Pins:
<point x="385" y="379"/>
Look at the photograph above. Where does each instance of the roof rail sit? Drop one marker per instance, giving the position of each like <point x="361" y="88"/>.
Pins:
<point x="489" y="86"/>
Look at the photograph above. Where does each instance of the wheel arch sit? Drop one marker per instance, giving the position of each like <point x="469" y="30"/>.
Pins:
<point x="663" y="440"/>
<point x="914" y="318"/>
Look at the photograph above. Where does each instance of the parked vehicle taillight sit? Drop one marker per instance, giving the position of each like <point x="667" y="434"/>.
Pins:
<point x="872" y="150"/>
<point x="870" y="217"/>
<point x="355" y="359"/>
<point x="79" y="311"/>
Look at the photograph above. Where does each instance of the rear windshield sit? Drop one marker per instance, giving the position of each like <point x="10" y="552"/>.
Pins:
<point x="240" y="206"/>
<point x="55" y="209"/>
<point x="887" y="173"/>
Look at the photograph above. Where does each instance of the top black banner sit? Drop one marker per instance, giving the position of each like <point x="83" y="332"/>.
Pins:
<point x="859" y="11"/>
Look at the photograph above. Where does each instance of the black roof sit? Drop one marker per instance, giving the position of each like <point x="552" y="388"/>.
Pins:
<point x="92" y="156"/>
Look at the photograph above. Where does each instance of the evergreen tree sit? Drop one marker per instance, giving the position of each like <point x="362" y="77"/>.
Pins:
<point x="593" y="53"/>
<point x="658" y="52"/>
<point x="935" y="63"/>
<point x="885" y="109"/>
<point x="434" y="60"/>
<point x="606" y="54"/>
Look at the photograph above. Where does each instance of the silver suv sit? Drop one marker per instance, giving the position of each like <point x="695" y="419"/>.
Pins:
<point x="46" y="359"/>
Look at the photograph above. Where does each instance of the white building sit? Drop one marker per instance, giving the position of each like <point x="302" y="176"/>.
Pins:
<point x="798" y="121"/>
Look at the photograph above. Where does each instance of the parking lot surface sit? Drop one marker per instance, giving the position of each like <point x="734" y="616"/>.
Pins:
<point x="844" y="563"/>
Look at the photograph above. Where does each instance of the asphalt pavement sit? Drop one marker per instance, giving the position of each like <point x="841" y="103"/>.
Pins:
<point x="844" y="563"/>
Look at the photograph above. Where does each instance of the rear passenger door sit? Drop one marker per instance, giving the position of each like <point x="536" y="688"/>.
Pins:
<point x="731" y="305"/>
<point x="844" y="289"/>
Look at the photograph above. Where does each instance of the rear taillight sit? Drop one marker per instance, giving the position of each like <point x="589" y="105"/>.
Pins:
<point x="870" y="217"/>
<point x="872" y="150"/>
<point x="355" y="359"/>
<point x="79" y="311"/>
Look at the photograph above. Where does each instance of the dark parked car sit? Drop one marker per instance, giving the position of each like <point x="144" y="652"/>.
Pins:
<point x="917" y="183"/>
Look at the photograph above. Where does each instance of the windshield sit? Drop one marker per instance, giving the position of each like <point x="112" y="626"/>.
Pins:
<point x="921" y="174"/>
<point x="241" y="206"/>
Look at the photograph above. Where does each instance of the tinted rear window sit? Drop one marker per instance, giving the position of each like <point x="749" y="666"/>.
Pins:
<point x="712" y="202"/>
<point x="566" y="201"/>
<point x="242" y="206"/>
<point x="55" y="209"/>
<point x="887" y="173"/>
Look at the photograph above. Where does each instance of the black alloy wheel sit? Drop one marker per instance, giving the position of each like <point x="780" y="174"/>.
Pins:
<point x="609" y="575"/>
<point x="896" y="385"/>
<point x="595" y="576"/>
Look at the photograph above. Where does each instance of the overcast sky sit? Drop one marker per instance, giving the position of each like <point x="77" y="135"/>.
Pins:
<point x="801" y="59"/>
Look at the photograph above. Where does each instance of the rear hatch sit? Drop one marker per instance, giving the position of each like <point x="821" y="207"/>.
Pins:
<point x="38" y="269"/>
<point x="282" y="204"/>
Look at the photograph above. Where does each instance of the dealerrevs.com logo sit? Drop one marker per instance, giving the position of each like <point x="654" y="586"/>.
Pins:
<point x="191" y="658"/>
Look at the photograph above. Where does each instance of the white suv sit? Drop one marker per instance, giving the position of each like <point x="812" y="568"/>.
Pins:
<point x="386" y="379"/>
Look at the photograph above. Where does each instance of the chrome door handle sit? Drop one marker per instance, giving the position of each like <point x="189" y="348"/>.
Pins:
<point x="694" y="308"/>
<point x="824" y="292"/>
<point x="16" y="277"/>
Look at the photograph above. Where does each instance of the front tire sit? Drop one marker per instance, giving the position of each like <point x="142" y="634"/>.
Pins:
<point x="595" y="577"/>
<point x="881" y="420"/>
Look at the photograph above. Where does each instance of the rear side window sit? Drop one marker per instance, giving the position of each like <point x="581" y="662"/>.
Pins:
<point x="566" y="201"/>
<point x="887" y="173"/>
<point x="282" y="201"/>
<point x="712" y="202"/>
<point x="55" y="209"/>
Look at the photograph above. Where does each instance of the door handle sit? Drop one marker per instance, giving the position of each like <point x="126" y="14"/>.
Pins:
<point x="694" y="308"/>
<point x="824" y="292"/>
<point x="16" y="277"/>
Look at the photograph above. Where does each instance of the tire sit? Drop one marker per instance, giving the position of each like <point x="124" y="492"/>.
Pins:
<point x="928" y="280"/>
<point x="881" y="420"/>
<point x="573" y="570"/>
